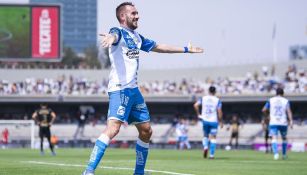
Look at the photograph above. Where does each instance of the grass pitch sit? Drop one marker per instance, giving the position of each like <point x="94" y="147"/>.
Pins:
<point x="121" y="162"/>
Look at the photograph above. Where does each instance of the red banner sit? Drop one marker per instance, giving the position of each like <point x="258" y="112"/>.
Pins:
<point x="45" y="32"/>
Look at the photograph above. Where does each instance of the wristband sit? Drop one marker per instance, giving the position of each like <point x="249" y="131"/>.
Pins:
<point x="186" y="50"/>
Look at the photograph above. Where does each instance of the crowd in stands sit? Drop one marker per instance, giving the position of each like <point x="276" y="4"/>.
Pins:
<point x="294" y="82"/>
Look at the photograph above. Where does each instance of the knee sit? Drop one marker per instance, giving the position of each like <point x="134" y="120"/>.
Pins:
<point x="146" y="132"/>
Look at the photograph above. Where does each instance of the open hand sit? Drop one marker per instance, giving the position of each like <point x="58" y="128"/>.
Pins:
<point x="107" y="39"/>
<point x="193" y="49"/>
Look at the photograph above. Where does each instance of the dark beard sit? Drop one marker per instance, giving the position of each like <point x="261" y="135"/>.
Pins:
<point x="131" y="26"/>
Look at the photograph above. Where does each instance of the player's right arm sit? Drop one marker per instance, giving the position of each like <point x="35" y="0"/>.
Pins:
<point x="108" y="39"/>
<point x="266" y="108"/>
<point x="263" y="123"/>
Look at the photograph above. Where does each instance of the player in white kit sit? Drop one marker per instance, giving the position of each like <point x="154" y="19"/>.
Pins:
<point x="126" y="102"/>
<point x="182" y="134"/>
<point x="211" y="116"/>
<point x="280" y="114"/>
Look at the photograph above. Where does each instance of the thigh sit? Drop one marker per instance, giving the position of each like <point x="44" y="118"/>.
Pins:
<point x="273" y="131"/>
<point x="213" y="129"/>
<point x="139" y="112"/>
<point x="206" y="129"/>
<point x="283" y="131"/>
<point x="120" y="103"/>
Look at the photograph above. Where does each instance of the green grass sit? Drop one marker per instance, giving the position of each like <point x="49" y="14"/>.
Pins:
<point x="16" y="162"/>
<point x="15" y="20"/>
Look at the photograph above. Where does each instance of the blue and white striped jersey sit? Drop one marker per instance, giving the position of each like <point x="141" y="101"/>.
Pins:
<point x="124" y="57"/>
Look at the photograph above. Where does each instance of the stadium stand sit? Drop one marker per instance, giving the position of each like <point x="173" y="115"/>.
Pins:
<point x="293" y="79"/>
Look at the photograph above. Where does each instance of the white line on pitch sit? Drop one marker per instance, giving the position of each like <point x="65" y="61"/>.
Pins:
<point x="104" y="167"/>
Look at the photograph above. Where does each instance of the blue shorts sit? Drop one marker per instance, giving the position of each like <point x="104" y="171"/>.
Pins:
<point x="182" y="138"/>
<point x="281" y="128"/>
<point x="128" y="105"/>
<point x="210" y="128"/>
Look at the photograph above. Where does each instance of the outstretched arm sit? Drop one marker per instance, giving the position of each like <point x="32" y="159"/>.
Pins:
<point x="164" y="48"/>
<point x="108" y="39"/>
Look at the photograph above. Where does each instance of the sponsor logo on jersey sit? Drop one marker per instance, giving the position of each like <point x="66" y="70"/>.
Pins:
<point x="133" y="54"/>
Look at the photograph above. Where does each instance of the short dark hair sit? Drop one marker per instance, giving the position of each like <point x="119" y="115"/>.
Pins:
<point x="212" y="89"/>
<point x="120" y="7"/>
<point x="279" y="91"/>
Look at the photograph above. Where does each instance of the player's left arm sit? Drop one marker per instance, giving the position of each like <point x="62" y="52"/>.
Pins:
<point x="53" y="115"/>
<point x="164" y="48"/>
<point x="289" y="112"/>
<point x="150" y="45"/>
<point x="220" y="114"/>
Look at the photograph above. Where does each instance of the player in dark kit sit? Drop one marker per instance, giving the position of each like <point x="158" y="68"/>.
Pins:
<point x="234" y="126"/>
<point x="44" y="117"/>
<point x="266" y="128"/>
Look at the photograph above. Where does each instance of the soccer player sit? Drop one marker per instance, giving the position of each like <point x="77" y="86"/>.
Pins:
<point x="126" y="102"/>
<point x="265" y="126"/>
<point x="182" y="134"/>
<point x="44" y="117"/>
<point x="280" y="112"/>
<point x="211" y="116"/>
<point x="235" y="127"/>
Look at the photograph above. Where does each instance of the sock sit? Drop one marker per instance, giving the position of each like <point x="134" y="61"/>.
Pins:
<point x="212" y="147"/>
<point x="274" y="146"/>
<point x="284" y="147"/>
<point x="98" y="152"/>
<point x="205" y="142"/>
<point x="141" y="157"/>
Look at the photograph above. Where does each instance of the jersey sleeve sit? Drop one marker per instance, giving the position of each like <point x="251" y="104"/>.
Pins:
<point x="267" y="105"/>
<point x="288" y="105"/>
<point x="116" y="31"/>
<point x="147" y="44"/>
<point x="219" y="105"/>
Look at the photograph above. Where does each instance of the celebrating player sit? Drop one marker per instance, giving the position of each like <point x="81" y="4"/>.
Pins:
<point x="126" y="102"/>
<point x="280" y="112"/>
<point x="211" y="115"/>
<point x="44" y="117"/>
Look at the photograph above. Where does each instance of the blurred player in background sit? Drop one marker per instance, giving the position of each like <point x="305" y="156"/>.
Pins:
<point x="5" y="138"/>
<point x="211" y="116"/>
<point x="267" y="138"/>
<point x="234" y="127"/>
<point x="126" y="102"/>
<point x="182" y="134"/>
<point x="280" y="113"/>
<point x="44" y="117"/>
